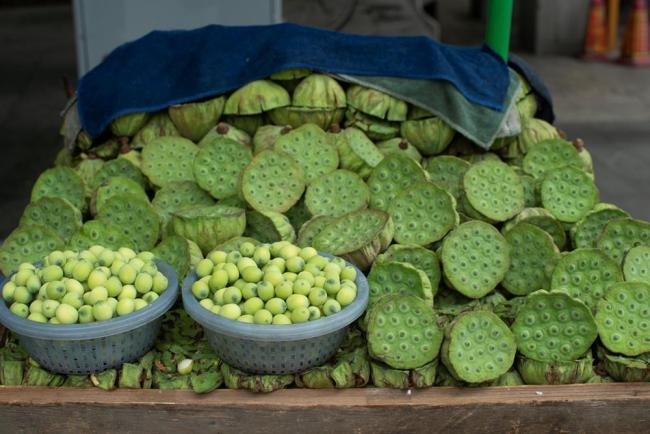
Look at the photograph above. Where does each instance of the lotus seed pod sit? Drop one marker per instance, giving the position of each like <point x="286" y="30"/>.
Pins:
<point x="394" y="174"/>
<point x="169" y="159"/>
<point x="128" y="125"/>
<point x="256" y="97"/>
<point x="336" y="193"/>
<point x="86" y="169"/>
<point x="527" y="106"/>
<point x="194" y="120"/>
<point x="374" y="127"/>
<point x="475" y="258"/>
<point x="587" y="230"/>
<point x="620" y="235"/>
<point x="500" y="183"/>
<point x="375" y="103"/>
<point x="218" y="166"/>
<point x="383" y="376"/>
<point x="27" y="243"/>
<point x="269" y="226"/>
<point x="431" y="135"/>
<point x="533" y="257"/>
<point x="400" y="146"/>
<point x="586" y="274"/>
<point x="267" y="135"/>
<point x="235" y="243"/>
<point x="61" y="182"/>
<point x="117" y="167"/>
<point x="568" y="193"/>
<point x="310" y="148"/>
<point x="447" y="169"/>
<point x="510" y="378"/>
<point x="298" y="215"/>
<point x="290" y="74"/>
<point x="236" y="379"/>
<point x="557" y="372"/>
<point x="532" y="194"/>
<point x="388" y="278"/>
<point x="249" y="124"/>
<point x="272" y="182"/>
<point x="55" y="213"/>
<point x="543" y="219"/>
<point x="626" y="369"/>
<point x="478" y="347"/>
<point x="622" y="318"/>
<point x="176" y="196"/>
<point x="160" y="125"/>
<point x="357" y="237"/>
<point x="298" y="116"/>
<point x="106" y="150"/>
<point x="356" y="151"/>
<point x="636" y="267"/>
<point x="318" y="91"/>
<point x="114" y="186"/>
<point x="550" y="154"/>
<point x="209" y="226"/>
<point x="552" y="327"/>
<point x="225" y="131"/>
<point x="418" y="257"/>
<point x="403" y="332"/>
<point x="533" y="131"/>
<point x="105" y="233"/>
<point x="311" y="228"/>
<point x="423" y="213"/>
<point x="136" y="218"/>
<point x="175" y="251"/>
<point x="587" y="161"/>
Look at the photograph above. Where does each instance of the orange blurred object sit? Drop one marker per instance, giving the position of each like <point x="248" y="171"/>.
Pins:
<point x="636" y="46"/>
<point x="596" y="35"/>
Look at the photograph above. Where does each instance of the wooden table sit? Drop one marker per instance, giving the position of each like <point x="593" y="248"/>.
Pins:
<point x="590" y="408"/>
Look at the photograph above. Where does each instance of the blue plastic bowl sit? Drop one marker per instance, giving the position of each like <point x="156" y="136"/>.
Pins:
<point x="276" y="349"/>
<point x="97" y="346"/>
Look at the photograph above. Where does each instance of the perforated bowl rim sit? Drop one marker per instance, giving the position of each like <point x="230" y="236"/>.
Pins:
<point x="277" y="332"/>
<point x="99" y="329"/>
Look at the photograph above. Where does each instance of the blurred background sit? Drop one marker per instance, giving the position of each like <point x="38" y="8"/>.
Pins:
<point x="46" y="44"/>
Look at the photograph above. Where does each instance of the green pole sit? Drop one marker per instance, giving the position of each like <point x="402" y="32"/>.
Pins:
<point x="498" y="27"/>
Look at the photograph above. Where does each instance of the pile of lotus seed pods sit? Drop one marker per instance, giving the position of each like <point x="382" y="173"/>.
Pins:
<point x="484" y="267"/>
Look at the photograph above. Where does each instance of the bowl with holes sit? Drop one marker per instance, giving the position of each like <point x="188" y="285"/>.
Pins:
<point x="96" y="346"/>
<point x="276" y="349"/>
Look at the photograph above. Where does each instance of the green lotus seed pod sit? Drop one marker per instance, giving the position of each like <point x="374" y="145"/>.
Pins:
<point x="159" y="125"/>
<point x="311" y="229"/>
<point x="269" y="226"/>
<point x="319" y="91"/>
<point x="209" y="226"/>
<point x="218" y="165"/>
<point x="375" y="128"/>
<point x="417" y="256"/>
<point x="550" y="154"/>
<point x="54" y="212"/>
<point x="447" y="172"/>
<point x="267" y="135"/>
<point x="223" y="131"/>
<point x="475" y="258"/>
<point x="375" y="103"/>
<point x="169" y="159"/>
<point x="559" y="372"/>
<point x="87" y="169"/>
<point x="498" y="182"/>
<point x="553" y="326"/>
<point x="106" y="150"/>
<point x="356" y="151"/>
<point x="586" y="231"/>
<point x="544" y="220"/>
<point x="636" y="267"/>
<point x="60" y="182"/>
<point x="176" y="196"/>
<point x="336" y="194"/>
<point x="399" y="145"/>
<point x="391" y="177"/>
<point x="386" y="278"/>
<point x="27" y="243"/>
<point x="533" y="132"/>
<point x="66" y="314"/>
<point x="622" y="234"/>
<point x="193" y="120"/>
<point x="294" y="116"/>
<point x="136" y="218"/>
<point x="430" y="136"/>
<point x="128" y="125"/>
<point x="256" y="97"/>
<point x="625" y="369"/>
<point x="568" y="193"/>
<point x="103" y="232"/>
<point x="20" y="309"/>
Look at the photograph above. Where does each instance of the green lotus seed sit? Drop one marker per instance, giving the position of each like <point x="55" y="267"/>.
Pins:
<point x="215" y="309"/>
<point x="265" y="290"/>
<point x="218" y="280"/>
<point x="247" y="249"/>
<point x="160" y="283"/>
<point x="349" y="273"/>
<point x="289" y="276"/>
<point x="82" y="270"/>
<point x="137" y="264"/>
<point x="20" y="309"/>
<point x="72" y="299"/>
<point x="247" y="318"/>
<point x="230" y="311"/>
<point x="232" y="295"/>
<point x="36" y="306"/>
<point x="150" y="297"/>
<point x="37" y="317"/>
<point x="127" y="275"/>
<point x="297" y="301"/>
<point x="307" y="253"/>
<point x="277" y="246"/>
<point x="289" y="251"/>
<point x="346" y="296"/>
<point x="314" y="313"/>
<point x="140" y="303"/>
<point x="317" y="296"/>
<point x="204" y="267"/>
<point x="125" y="306"/>
<point x="331" y="306"/>
<point x="276" y="305"/>
<point x="8" y="291"/>
<point x="128" y="291"/>
<point x="86" y="314"/>
<point x="263" y="316"/>
<point x="51" y="273"/>
<point x="116" y="266"/>
<point x="207" y="303"/>
<point x="22" y="295"/>
<point x="295" y="264"/>
<point x="252" y="305"/>
<point x="280" y="263"/>
<point x="300" y="315"/>
<point x="252" y="274"/>
<point x="87" y="255"/>
<point x="217" y="256"/>
<point x="53" y="320"/>
<point x="49" y="308"/>
<point x="127" y="253"/>
<point x="281" y="319"/>
<point x="149" y="268"/>
<point x="106" y="258"/>
<point x="114" y="286"/>
<point x="33" y="284"/>
<point x="146" y="256"/>
<point x="144" y="283"/>
<point x="74" y="287"/>
<point x="306" y="275"/>
<point x="97" y="294"/>
<point x="262" y="255"/>
<point x="239" y="283"/>
<point x="284" y="289"/>
<point x="274" y="277"/>
<point x="249" y="291"/>
<point x="319" y="281"/>
<point x="200" y="289"/>
<point x="68" y="267"/>
<point x="55" y="291"/>
<point x="332" y="286"/>
<point x="301" y="286"/>
<point x="97" y="278"/>
<point x="20" y="278"/>
<point x="218" y="296"/>
<point x="66" y="314"/>
<point x="232" y="270"/>
<point x="233" y="257"/>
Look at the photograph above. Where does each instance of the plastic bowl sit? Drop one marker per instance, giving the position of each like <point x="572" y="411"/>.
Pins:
<point x="97" y="346"/>
<point x="276" y="349"/>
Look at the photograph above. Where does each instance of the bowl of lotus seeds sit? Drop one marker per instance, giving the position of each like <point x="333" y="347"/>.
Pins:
<point x="274" y="308"/>
<point x="88" y="311"/>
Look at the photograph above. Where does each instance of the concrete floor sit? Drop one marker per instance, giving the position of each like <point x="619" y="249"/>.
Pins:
<point x="605" y="104"/>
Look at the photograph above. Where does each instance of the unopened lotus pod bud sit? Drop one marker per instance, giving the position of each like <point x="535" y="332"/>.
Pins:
<point x="55" y="213"/>
<point x="445" y="379"/>
<point x="297" y="116"/>
<point x="620" y="235"/>
<point x="236" y="379"/>
<point x="403" y="332"/>
<point x="550" y="154"/>
<point x="384" y="376"/>
<point x="129" y="125"/>
<point x="387" y="278"/>
<point x="226" y="131"/>
<point x="586" y="274"/>
<point x="359" y="366"/>
<point x="266" y="136"/>
<point x="256" y="97"/>
<point x="290" y="74"/>
<point x="319" y="377"/>
<point x="134" y="157"/>
<point x="87" y="169"/>
<point x="272" y="181"/>
<point x="356" y="151"/>
<point x="568" y="193"/>
<point x="218" y="166"/>
<point x="500" y="183"/>
<point x="269" y="227"/>
<point x="543" y="219"/>
<point x="28" y="243"/>
<point x="160" y="125"/>
<point x="553" y="327"/>
<point x="585" y="156"/>
<point x="135" y="216"/>
<point x="375" y="103"/>
<point x="430" y="135"/>
<point x="117" y="167"/>
<point x="357" y="237"/>
<point x="475" y="258"/>
<point x="249" y="124"/>
<point x="394" y="174"/>
<point x="194" y="120"/>
<point x="527" y="106"/>
<point x="130" y="376"/>
<point x="298" y="215"/>
<point x="179" y="195"/>
<point x="175" y="251"/>
<point x="206" y="382"/>
<point x="209" y="226"/>
<point x="626" y="369"/>
<point x="400" y="146"/>
<point x="587" y="230"/>
<point x="311" y="228"/>
<point x="374" y="127"/>
<point x="417" y="256"/>
<point x="478" y="347"/>
<point x="60" y="182"/>
<point x="557" y="372"/>
<point x="533" y="257"/>
<point x="116" y="185"/>
<point x="318" y="91"/>
<point x="533" y="131"/>
<point x="106" y="150"/>
<point x="103" y="233"/>
<point x="510" y="378"/>
<point x="234" y="244"/>
<point x="336" y="193"/>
